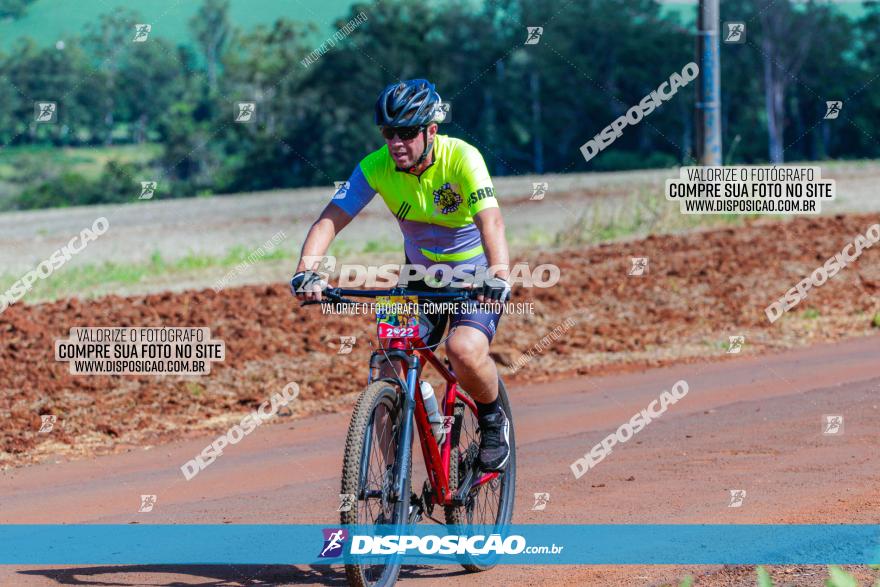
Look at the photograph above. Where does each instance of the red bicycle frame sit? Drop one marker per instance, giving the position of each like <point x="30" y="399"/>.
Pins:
<point x="413" y="353"/>
<point x="436" y="456"/>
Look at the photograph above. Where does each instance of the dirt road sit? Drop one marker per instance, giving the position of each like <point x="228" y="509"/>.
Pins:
<point x="753" y="423"/>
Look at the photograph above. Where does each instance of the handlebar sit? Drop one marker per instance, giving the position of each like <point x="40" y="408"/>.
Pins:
<point x="339" y="295"/>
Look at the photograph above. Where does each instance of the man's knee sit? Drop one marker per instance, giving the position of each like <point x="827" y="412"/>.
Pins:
<point x="467" y="348"/>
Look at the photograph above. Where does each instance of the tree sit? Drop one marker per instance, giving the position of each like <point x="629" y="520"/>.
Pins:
<point x="32" y="74"/>
<point x="149" y="70"/>
<point x="786" y="36"/>
<point x="211" y="27"/>
<point x="107" y="42"/>
<point x="265" y="69"/>
<point x="14" y="8"/>
<point x="828" y="74"/>
<point x="867" y="116"/>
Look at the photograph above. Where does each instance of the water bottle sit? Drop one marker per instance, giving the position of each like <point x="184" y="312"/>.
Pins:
<point x="434" y="415"/>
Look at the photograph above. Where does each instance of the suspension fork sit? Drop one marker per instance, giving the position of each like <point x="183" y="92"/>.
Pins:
<point x="404" y="445"/>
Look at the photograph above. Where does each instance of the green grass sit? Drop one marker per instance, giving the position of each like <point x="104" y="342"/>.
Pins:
<point x="85" y="278"/>
<point x="725" y="345"/>
<point x="195" y="389"/>
<point x="811" y="313"/>
<point x="535" y="237"/>
<point x="835" y="163"/>
<point x="100" y="278"/>
<point x="876" y="321"/>
<point x="688" y="581"/>
<point x="86" y="161"/>
<point x="636" y="215"/>
<point x="837" y="577"/>
<point x="340" y="249"/>
<point x="381" y="246"/>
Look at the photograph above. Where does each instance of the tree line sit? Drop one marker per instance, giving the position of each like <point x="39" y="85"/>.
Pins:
<point x="527" y="107"/>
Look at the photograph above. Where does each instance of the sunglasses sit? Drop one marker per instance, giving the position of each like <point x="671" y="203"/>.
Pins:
<point x="405" y="133"/>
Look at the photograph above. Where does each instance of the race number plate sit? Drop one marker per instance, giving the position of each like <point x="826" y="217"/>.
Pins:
<point x="397" y="316"/>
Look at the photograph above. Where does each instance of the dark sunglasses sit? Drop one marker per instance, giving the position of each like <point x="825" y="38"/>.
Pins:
<point x="406" y="133"/>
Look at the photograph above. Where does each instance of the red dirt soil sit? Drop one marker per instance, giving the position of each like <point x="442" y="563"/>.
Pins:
<point x="700" y="288"/>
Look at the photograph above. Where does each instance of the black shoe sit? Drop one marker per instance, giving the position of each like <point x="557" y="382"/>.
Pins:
<point x="494" y="441"/>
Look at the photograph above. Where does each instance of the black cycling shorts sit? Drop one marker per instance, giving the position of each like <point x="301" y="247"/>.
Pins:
<point x="432" y="325"/>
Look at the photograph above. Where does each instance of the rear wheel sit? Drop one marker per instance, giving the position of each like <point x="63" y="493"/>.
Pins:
<point x="490" y="504"/>
<point x="368" y="473"/>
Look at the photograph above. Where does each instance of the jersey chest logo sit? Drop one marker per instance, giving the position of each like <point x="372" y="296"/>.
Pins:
<point x="447" y="199"/>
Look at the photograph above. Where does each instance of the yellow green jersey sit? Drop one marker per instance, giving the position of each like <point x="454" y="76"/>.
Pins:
<point x="436" y="209"/>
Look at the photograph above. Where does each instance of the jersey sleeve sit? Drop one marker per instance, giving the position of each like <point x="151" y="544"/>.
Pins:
<point x="475" y="181"/>
<point x="354" y="194"/>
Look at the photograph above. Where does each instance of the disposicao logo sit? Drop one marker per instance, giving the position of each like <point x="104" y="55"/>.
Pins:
<point x="334" y="539"/>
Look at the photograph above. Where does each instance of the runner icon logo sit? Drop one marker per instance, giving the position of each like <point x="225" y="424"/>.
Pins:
<point x="736" y="344"/>
<point x="148" y="188"/>
<point x="326" y="265"/>
<point x="334" y="539"/>
<point x="737" y="496"/>
<point x="245" y="111"/>
<point x="342" y="188"/>
<point x="832" y="109"/>
<point x="346" y="343"/>
<point x="736" y="32"/>
<point x="45" y="112"/>
<point x="539" y="190"/>
<point x="444" y="112"/>
<point x="541" y="500"/>
<point x="142" y="32"/>
<point x="147" y="503"/>
<point x="47" y="422"/>
<point x="639" y="266"/>
<point x="346" y="502"/>
<point x="535" y="33"/>
<point x="832" y="424"/>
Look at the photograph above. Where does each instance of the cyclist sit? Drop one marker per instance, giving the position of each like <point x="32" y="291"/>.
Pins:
<point x="440" y="191"/>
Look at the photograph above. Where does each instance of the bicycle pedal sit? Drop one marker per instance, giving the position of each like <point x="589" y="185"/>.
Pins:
<point x="415" y="513"/>
<point x="464" y="486"/>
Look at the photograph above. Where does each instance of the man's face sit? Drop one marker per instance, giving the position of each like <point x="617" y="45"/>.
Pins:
<point x="406" y="152"/>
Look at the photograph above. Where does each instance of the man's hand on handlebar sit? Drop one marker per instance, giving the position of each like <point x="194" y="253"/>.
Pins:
<point x="494" y="289"/>
<point x="307" y="286"/>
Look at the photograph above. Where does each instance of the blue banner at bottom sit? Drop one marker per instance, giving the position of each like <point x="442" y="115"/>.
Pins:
<point x="434" y="544"/>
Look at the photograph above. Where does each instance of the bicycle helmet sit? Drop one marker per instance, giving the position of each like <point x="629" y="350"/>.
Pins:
<point x="412" y="102"/>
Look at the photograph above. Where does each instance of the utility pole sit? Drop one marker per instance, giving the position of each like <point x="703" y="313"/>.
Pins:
<point x="709" y="88"/>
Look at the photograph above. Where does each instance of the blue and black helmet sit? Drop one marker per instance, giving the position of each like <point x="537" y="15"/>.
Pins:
<point x="413" y="102"/>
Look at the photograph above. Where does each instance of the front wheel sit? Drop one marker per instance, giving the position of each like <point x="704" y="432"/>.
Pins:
<point x="489" y="504"/>
<point x="368" y="472"/>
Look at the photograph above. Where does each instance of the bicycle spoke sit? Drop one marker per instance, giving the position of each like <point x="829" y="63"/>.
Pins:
<point x="484" y="501"/>
<point x="382" y="447"/>
<point x="369" y="469"/>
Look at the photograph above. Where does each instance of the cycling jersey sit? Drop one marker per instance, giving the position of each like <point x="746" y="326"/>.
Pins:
<point x="436" y="209"/>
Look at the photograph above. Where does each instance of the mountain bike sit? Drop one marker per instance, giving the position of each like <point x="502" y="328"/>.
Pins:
<point x="377" y="466"/>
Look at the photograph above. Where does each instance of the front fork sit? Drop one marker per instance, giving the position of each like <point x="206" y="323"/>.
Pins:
<point x="404" y="444"/>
